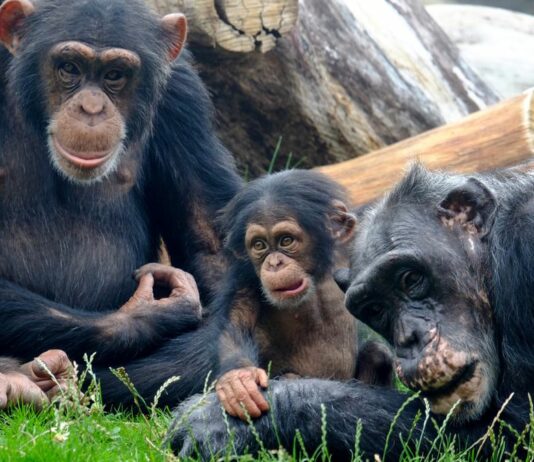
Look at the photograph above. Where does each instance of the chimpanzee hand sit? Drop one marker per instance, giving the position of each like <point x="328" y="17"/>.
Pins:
<point x="239" y="393"/>
<point x="58" y="363"/>
<point x="16" y="387"/>
<point x="181" y="287"/>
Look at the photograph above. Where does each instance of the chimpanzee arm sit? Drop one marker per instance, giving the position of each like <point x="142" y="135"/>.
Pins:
<point x="237" y="349"/>
<point x="237" y="346"/>
<point x="302" y="405"/>
<point x="32" y="324"/>
<point x="192" y="357"/>
<point x="187" y="161"/>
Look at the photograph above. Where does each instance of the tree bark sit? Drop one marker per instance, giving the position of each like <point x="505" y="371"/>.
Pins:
<point x="351" y="77"/>
<point x="501" y="136"/>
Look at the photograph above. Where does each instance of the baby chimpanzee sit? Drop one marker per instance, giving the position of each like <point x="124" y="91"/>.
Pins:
<point x="283" y="305"/>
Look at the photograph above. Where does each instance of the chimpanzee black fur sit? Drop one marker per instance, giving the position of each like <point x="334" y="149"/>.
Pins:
<point x="443" y="268"/>
<point x="68" y="250"/>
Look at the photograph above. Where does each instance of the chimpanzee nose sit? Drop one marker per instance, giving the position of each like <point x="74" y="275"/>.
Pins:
<point x="274" y="263"/>
<point x="93" y="103"/>
<point x="410" y="338"/>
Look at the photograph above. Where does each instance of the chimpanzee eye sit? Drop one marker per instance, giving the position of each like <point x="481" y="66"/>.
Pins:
<point x="412" y="282"/>
<point x="69" y="73"/>
<point x="286" y="241"/>
<point x="115" y="80"/>
<point x="259" y="245"/>
<point x="69" y="68"/>
<point x="114" y="75"/>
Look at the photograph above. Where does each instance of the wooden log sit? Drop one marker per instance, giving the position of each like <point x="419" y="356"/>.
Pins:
<point x="498" y="43"/>
<point x="235" y="25"/>
<point x="352" y="76"/>
<point x="500" y="136"/>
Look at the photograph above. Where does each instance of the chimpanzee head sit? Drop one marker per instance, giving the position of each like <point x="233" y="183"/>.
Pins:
<point x="286" y="226"/>
<point x="88" y="75"/>
<point x="417" y="277"/>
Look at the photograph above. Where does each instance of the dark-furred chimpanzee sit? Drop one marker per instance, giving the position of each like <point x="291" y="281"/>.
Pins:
<point x="284" y="308"/>
<point x="106" y="146"/>
<point x="442" y="267"/>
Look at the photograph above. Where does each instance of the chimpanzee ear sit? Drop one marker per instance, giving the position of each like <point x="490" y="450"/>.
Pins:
<point x="176" y="26"/>
<point x="342" y="222"/>
<point x="342" y="278"/>
<point x="12" y="14"/>
<point x="472" y="206"/>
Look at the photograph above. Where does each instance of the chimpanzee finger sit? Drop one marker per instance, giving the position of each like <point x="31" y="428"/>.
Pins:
<point x="163" y="274"/>
<point x="22" y="389"/>
<point x="45" y="385"/>
<point x="244" y="401"/>
<point x="255" y="394"/>
<point x="223" y="399"/>
<point x="145" y="288"/>
<point x="183" y="281"/>
<point x="262" y="378"/>
<point x="55" y="390"/>
<point x="230" y="405"/>
<point x="56" y="361"/>
<point x="149" y="268"/>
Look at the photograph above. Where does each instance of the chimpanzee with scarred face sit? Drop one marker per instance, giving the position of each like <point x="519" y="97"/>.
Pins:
<point x="106" y="148"/>
<point x="442" y="268"/>
<point x="285" y="310"/>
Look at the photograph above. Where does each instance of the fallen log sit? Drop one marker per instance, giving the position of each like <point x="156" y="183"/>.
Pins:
<point x="350" y="77"/>
<point x="500" y="136"/>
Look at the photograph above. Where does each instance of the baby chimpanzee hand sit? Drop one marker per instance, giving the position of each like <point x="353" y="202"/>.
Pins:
<point x="239" y="393"/>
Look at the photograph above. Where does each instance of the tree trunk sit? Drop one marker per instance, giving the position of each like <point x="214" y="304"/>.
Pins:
<point x="500" y="136"/>
<point x="351" y="77"/>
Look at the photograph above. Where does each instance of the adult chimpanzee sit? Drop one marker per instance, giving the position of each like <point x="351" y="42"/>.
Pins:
<point x="106" y="146"/>
<point x="283" y="305"/>
<point x="442" y="267"/>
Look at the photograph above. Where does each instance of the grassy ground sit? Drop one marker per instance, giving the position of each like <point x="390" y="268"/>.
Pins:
<point x="78" y="429"/>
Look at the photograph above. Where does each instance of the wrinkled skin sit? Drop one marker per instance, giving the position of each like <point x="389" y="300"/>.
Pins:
<point x="32" y="383"/>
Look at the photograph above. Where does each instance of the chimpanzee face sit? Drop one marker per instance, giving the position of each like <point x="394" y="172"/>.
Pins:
<point x="281" y="253"/>
<point x="417" y="277"/>
<point x="284" y="254"/>
<point x="88" y="94"/>
<point x="77" y="79"/>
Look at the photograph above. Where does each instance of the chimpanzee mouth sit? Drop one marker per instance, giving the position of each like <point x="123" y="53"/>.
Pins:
<point x="293" y="290"/>
<point x="84" y="160"/>
<point x="462" y="376"/>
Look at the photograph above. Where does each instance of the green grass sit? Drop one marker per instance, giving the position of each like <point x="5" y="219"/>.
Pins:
<point x="77" y="428"/>
<point x="26" y="435"/>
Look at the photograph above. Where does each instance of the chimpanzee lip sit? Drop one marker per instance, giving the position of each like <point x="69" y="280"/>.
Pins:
<point x="464" y="375"/>
<point x="89" y="159"/>
<point x="293" y="290"/>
